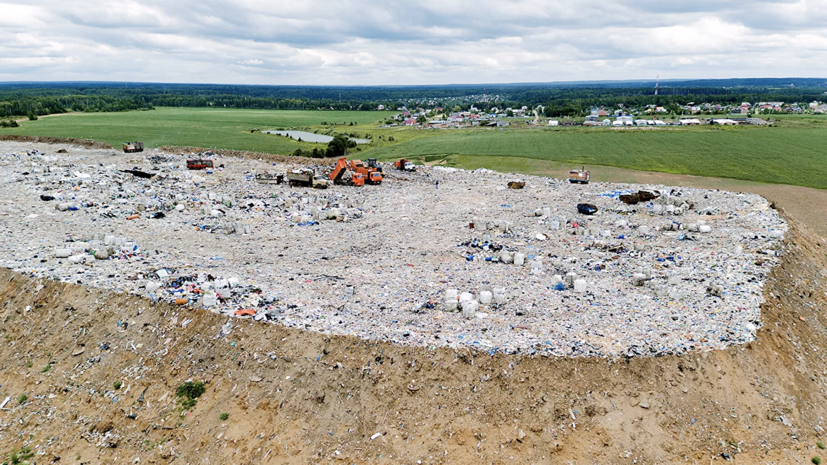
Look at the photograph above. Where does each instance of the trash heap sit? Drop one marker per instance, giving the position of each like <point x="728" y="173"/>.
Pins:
<point x="435" y="257"/>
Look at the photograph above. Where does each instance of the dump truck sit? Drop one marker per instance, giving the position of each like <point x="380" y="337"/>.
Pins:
<point x="199" y="164"/>
<point x="269" y="178"/>
<point x="404" y="165"/>
<point x="305" y="178"/>
<point x="579" y="176"/>
<point x="341" y="175"/>
<point x="132" y="147"/>
<point x="372" y="175"/>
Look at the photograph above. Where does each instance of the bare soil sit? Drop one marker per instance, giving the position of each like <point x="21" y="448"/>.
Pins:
<point x="299" y="397"/>
<point x="254" y="155"/>
<point x="85" y="143"/>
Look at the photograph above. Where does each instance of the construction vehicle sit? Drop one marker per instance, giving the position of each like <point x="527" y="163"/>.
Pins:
<point x="199" y="164"/>
<point x="404" y="165"/>
<point x="132" y="147"/>
<point x="340" y="175"/>
<point x="269" y="178"/>
<point x="579" y="176"/>
<point x="305" y="178"/>
<point x="372" y="163"/>
<point x="372" y="175"/>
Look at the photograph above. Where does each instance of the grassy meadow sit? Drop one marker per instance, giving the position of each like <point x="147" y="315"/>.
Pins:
<point x="197" y="127"/>
<point x="773" y="155"/>
<point x="793" y="152"/>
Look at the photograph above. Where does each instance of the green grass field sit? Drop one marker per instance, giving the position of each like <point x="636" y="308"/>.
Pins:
<point x="795" y="152"/>
<point x="781" y="155"/>
<point x="196" y="127"/>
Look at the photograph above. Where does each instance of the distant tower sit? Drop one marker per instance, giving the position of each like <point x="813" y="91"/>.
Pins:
<point x="657" y="80"/>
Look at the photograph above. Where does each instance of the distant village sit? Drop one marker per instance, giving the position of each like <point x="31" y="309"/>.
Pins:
<point x="651" y="115"/>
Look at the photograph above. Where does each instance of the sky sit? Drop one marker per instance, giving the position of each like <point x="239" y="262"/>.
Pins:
<point x="389" y="42"/>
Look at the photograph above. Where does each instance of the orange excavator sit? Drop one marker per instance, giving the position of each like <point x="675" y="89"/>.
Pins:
<point x="373" y="174"/>
<point x="339" y="175"/>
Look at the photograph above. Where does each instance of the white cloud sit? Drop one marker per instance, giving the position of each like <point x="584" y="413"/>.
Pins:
<point x="373" y="42"/>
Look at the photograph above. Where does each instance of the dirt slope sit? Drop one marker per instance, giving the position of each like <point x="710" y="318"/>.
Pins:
<point x="295" y="397"/>
<point x="86" y="143"/>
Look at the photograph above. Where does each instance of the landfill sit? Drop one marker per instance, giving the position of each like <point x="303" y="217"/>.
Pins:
<point x="437" y="257"/>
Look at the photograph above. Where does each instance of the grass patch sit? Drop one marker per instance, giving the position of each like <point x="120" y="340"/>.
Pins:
<point x="188" y="394"/>
<point x="47" y="368"/>
<point x="20" y="457"/>
<point x="22" y="398"/>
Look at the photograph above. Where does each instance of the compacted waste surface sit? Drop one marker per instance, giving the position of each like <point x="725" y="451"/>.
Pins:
<point x="435" y="257"/>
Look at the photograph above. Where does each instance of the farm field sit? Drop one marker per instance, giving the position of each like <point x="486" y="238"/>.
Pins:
<point x="791" y="153"/>
<point x="783" y="155"/>
<point x="197" y="127"/>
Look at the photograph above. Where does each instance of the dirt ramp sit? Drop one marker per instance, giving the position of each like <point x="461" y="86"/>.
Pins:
<point x="296" y="397"/>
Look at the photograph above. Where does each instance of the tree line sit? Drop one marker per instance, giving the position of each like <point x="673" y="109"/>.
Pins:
<point x="564" y="99"/>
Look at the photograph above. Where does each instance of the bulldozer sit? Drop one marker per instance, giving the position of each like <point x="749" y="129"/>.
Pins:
<point x="372" y="174"/>
<point x="340" y="175"/>
<point x="372" y="163"/>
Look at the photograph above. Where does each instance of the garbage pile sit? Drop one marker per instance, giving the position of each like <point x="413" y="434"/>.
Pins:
<point x="552" y="268"/>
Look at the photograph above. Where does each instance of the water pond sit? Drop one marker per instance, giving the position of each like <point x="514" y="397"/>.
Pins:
<point x="311" y="137"/>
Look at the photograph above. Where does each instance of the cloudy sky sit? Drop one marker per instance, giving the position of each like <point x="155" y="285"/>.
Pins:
<point x="411" y="42"/>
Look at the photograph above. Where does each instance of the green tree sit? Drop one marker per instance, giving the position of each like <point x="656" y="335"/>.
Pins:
<point x="339" y="145"/>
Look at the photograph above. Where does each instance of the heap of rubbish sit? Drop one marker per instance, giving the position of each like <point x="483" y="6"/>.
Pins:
<point x="432" y="257"/>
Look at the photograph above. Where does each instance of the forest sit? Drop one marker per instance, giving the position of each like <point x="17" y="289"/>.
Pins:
<point x="559" y="99"/>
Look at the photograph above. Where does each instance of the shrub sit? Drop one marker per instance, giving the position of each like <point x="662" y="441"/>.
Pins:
<point x="224" y="416"/>
<point x="20" y="457"/>
<point x="22" y="398"/>
<point x="816" y="460"/>
<point x="189" y="393"/>
<point x="117" y="385"/>
<point x="820" y="445"/>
